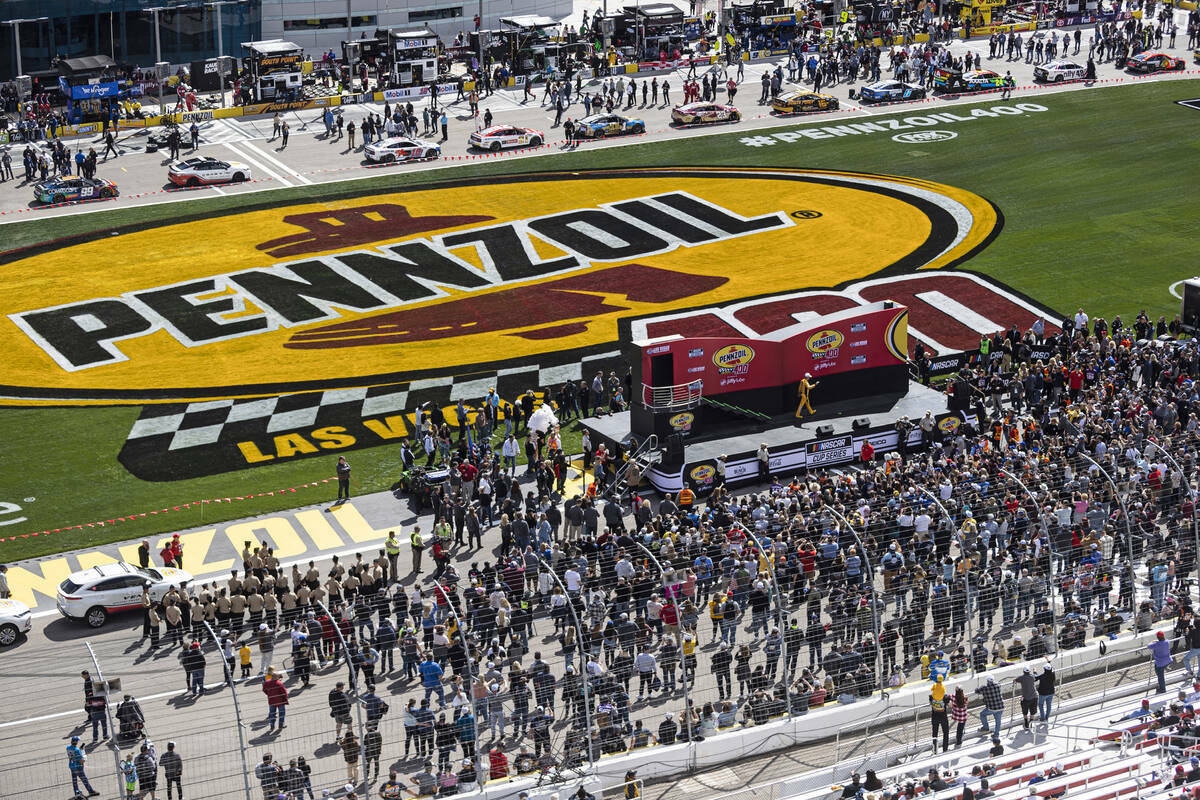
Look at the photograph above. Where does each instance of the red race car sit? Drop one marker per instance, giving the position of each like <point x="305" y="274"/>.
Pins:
<point x="1146" y="63"/>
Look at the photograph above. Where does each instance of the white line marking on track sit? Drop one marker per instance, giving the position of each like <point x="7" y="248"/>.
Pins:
<point x="291" y="171"/>
<point x="258" y="165"/>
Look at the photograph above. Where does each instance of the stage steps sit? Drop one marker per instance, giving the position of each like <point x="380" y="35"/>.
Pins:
<point x="648" y="453"/>
<point x="737" y="411"/>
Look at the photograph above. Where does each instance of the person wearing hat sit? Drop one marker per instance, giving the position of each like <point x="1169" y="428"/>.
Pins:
<point x="939" y="713"/>
<point x="76" y="759"/>
<point x="1160" y="650"/>
<point x="633" y="787"/>
<point x="1045" y="686"/>
<point x="803" y="391"/>
<point x="993" y="700"/>
<point x="1028" y="685"/>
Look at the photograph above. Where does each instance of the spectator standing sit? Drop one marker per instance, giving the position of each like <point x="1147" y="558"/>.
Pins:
<point x="1045" y="690"/>
<point x="1160" y="650"/>
<point x="76" y="761"/>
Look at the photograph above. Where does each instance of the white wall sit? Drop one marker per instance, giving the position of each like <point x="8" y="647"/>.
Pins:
<point x="393" y="14"/>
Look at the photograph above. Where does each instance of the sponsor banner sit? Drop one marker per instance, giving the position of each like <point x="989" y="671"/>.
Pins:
<point x="1012" y="27"/>
<point x="682" y="422"/>
<point x="255" y="109"/>
<point x="188" y="117"/>
<point x="836" y="450"/>
<point x="1084" y="19"/>
<point x="412" y="92"/>
<point x="271" y="65"/>
<point x="4" y="137"/>
<point x="778" y="19"/>
<point x="915" y="122"/>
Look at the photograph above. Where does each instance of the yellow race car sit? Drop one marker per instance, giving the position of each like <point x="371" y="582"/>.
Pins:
<point x="802" y="102"/>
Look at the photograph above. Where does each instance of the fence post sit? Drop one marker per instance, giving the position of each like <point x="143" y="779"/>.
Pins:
<point x="362" y="729"/>
<point x="237" y="710"/>
<point x="112" y="729"/>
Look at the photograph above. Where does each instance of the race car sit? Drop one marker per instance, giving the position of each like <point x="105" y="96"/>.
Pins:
<point x="73" y="187"/>
<point x="501" y="136"/>
<point x="891" y="92"/>
<point x="92" y="594"/>
<point x="597" y="126"/>
<point x="1146" y="63"/>
<point x="704" y="114"/>
<point x="954" y="80"/>
<point x="202" y="171"/>
<point x="15" y="621"/>
<point x="399" y="148"/>
<point x="1058" y="71"/>
<point x="802" y="101"/>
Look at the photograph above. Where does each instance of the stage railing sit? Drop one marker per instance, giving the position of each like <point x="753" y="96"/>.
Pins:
<point x="672" y="398"/>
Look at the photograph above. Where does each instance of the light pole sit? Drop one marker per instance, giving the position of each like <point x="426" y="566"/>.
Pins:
<point x="779" y="610"/>
<point x="1049" y="544"/>
<point x="16" y="23"/>
<point x="587" y="679"/>
<point x="158" y="51"/>
<point x="962" y="549"/>
<point x="875" y="610"/>
<point x="362" y="730"/>
<point x="462" y="635"/>
<point x="221" y="41"/>
<point x="237" y="710"/>
<point x="687" y="693"/>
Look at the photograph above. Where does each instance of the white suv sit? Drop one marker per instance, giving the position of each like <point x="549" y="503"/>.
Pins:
<point x="15" y="620"/>
<point x="92" y="594"/>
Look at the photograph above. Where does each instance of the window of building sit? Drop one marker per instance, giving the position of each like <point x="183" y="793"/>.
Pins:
<point x="326" y="23"/>
<point x="449" y="12"/>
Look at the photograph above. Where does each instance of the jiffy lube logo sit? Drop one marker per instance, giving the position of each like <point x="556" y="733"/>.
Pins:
<point x="452" y="278"/>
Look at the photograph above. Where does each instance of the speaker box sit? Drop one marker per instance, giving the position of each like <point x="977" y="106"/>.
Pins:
<point x="860" y="423"/>
<point x="824" y="430"/>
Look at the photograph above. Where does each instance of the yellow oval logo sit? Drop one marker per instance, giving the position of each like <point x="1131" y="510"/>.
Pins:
<point x="682" y="421"/>
<point x="733" y="355"/>
<point x="445" y="278"/>
<point x="703" y="473"/>
<point x="824" y="342"/>
<point x="949" y="424"/>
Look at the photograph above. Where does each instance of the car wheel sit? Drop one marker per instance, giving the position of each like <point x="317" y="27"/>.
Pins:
<point x="638" y="129"/>
<point x="535" y="141"/>
<point x="495" y="147"/>
<point x="96" y="616"/>
<point x="735" y="117"/>
<point x="238" y="177"/>
<point x="8" y="634"/>
<point x="106" y="192"/>
<point x="58" y="198"/>
<point x="1058" y="79"/>
<point x="193" y="181"/>
<point x="600" y="134"/>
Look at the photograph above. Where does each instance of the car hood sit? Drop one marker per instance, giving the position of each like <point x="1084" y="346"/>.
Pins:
<point x="12" y="608"/>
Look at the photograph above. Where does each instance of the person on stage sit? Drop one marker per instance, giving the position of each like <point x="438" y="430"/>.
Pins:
<point x="803" y="391"/>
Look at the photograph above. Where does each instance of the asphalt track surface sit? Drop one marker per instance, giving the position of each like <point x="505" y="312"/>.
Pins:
<point x="311" y="157"/>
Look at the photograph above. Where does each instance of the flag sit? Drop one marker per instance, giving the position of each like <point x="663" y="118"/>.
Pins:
<point x="471" y="442"/>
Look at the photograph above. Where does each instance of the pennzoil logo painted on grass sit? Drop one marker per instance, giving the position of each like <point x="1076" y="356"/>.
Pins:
<point x="446" y="279"/>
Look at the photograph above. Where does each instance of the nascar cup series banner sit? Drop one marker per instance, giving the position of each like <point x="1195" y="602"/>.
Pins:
<point x="292" y="331"/>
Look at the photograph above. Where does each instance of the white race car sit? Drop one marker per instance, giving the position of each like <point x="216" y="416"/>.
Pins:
<point x="201" y="171"/>
<point x="400" y="149"/>
<point x="501" y="136"/>
<point x="15" y="620"/>
<point x="92" y="594"/>
<point x="1058" y="71"/>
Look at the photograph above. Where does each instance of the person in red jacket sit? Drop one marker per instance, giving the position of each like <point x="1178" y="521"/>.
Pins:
<point x="868" y="452"/>
<point x="167" y="554"/>
<point x="497" y="764"/>
<point x="277" y="700"/>
<point x="177" y="551"/>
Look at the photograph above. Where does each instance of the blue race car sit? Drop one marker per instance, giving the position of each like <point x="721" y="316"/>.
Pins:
<point x="891" y="92"/>
<point x="73" y="187"/>
<point x="597" y="126"/>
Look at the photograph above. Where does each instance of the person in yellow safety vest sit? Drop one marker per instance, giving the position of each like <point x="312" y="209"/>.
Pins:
<point x="689" y="656"/>
<point x="716" y="615"/>
<point x="442" y="531"/>
<point x="392" y="547"/>
<point x="418" y="546"/>
<point x="686" y="498"/>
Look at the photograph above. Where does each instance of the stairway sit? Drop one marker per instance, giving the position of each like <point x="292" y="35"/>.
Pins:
<point x="648" y="453"/>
